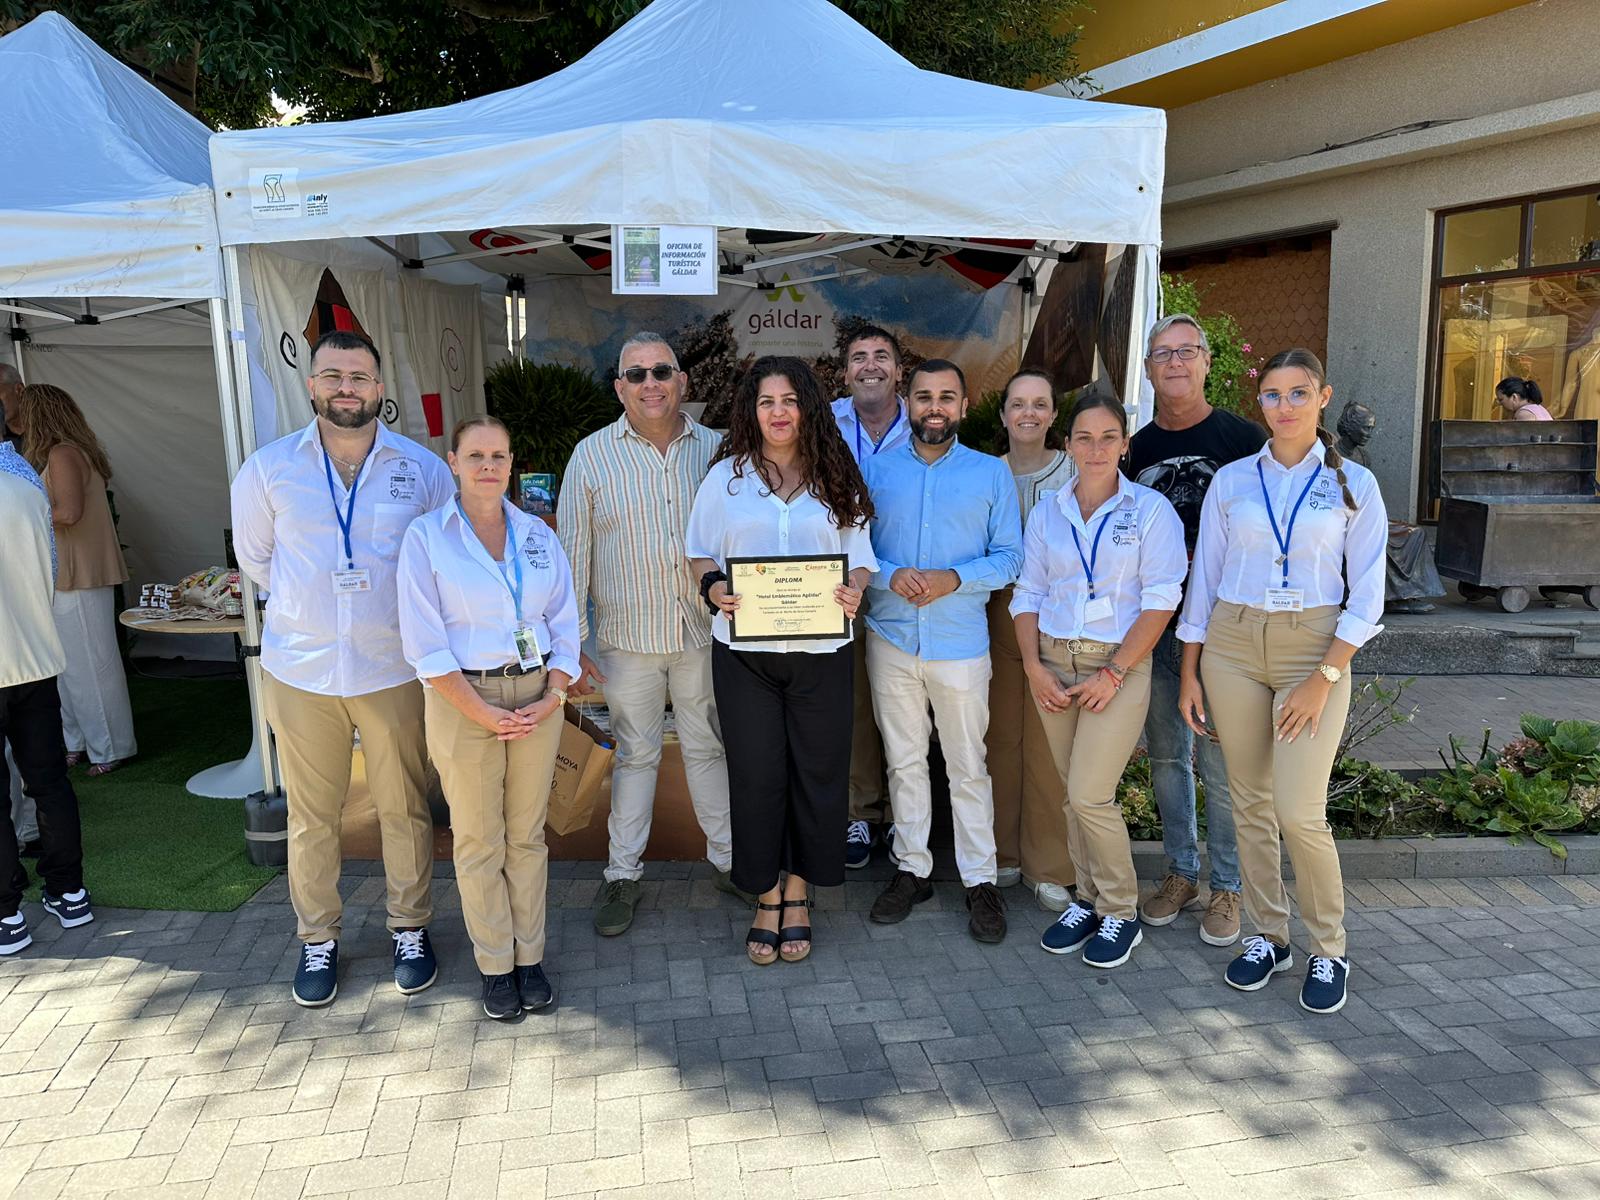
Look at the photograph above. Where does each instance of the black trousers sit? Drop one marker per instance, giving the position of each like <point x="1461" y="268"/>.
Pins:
<point x="786" y="725"/>
<point x="30" y="719"/>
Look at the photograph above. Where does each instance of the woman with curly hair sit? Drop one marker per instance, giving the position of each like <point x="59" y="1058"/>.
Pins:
<point x="783" y="484"/>
<point x="57" y="441"/>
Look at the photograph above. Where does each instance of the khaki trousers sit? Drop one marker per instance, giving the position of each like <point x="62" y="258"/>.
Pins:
<point x="1252" y="660"/>
<point x="869" y="789"/>
<point x="1091" y="750"/>
<point x="498" y="794"/>
<point x="1030" y="808"/>
<point x="314" y="735"/>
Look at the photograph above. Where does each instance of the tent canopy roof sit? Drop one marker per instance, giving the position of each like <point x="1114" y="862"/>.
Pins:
<point x="107" y="182"/>
<point x="768" y="114"/>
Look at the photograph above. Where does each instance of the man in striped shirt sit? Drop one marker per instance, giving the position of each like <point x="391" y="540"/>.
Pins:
<point x="625" y="501"/>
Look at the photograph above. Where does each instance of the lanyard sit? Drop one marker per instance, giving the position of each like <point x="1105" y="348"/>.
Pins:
<point x="1284" y="538"/>
<point x="1094" y="550"/>
<point x="347" y="518"/>
<point x="512" y="557"/>
<point x="877" y="445"/>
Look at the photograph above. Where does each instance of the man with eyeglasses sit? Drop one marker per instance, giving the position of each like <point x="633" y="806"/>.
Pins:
<point x="1178" y="454"/>
<point x="622" y="516"/>
<point x="318" y="517"/>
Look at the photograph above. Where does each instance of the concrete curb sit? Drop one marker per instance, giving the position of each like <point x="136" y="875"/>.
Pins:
<point x="1428" y="858"/>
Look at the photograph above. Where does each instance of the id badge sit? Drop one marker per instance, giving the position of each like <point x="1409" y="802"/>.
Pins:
<point x="1098" y="609"/>
<point x="529" y="655"/>
<point x="356" y="579"/>
<point x="1285" y="599"/>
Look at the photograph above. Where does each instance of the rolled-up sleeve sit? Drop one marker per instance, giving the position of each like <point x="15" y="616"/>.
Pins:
<point x="561" y="616"/>
<point x="422" y="631"/>
<point x="1366" y="547"/>
<point x="857" y="547"/>
<point x="1163" y="561"/>
<point x="1033" y="584"/>
<point x="1205" y="573"/>
<point x="253" y="524"/>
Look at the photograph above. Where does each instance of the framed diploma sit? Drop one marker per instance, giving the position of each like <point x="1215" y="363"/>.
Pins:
<point x="788" y="598"/>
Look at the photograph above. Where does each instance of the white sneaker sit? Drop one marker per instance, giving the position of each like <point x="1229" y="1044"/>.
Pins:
<point x="1005" y="877"/>
<point x="1052" y="897"/>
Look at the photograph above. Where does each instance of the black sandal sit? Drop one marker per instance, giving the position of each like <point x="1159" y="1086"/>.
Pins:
<point x="795" y="933"/>
<point x="763" y="937"/>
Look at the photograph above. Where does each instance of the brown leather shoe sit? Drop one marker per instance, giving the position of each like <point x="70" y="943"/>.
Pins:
<point x="1220" y="925"/>
<point x="894" y="902"/>
<point x="988" y="909"/>
<point x="1170" y="898"/>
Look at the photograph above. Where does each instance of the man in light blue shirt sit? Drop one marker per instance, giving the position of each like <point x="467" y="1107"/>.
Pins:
<point x="947" y="533"/>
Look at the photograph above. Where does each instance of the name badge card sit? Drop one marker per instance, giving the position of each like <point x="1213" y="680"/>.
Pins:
<point x="356" y="579"/>
<point x="529" y="653"/>
<point x="1098" y="609"/>
<point x="1281" y="599"/>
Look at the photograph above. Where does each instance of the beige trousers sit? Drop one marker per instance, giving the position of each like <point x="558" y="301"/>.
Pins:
<point x="1030" y="808"/>
<point x="869" y="788"/>
<point x="314" y="735"/>
<point x="1251" y="661"/>
<point x="1091" y="750"/>
<point x="498" y="794"/>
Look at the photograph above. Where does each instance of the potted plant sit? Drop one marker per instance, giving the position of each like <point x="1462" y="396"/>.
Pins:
<point x="549" y="409"/>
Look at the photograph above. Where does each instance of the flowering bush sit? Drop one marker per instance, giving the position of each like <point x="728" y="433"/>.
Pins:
<point x="1231" y="384"/>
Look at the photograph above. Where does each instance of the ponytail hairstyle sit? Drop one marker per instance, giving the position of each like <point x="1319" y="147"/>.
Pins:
<point x="1090" y="401"/>
<point x="466" y="423"/>
<point x="1526" y="389"/>
<point x="1312" y="366"/>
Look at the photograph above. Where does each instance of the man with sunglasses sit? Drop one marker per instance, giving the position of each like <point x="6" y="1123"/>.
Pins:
<point x="318" y="517"/>
<point x="1178" y="454"/>
<point x="622" y="516"/>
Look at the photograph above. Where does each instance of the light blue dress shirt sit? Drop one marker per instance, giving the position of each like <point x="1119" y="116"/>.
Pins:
<point x="959" y="513"/>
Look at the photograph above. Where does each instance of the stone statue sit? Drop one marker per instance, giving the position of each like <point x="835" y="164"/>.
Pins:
<point x="1411" y="576"/>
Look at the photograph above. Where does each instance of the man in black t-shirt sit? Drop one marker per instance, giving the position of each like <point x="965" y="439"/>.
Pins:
<point x="1177" y="455"/>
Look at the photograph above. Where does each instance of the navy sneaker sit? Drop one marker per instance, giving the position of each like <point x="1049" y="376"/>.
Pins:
<point x="1113" y="943"/>
<point x="536" y="990"/>
<point x="71" y="910"/>
<point x="500" y="999"/>
<point x="1069" y="935"/>
<point x="415" y="967"/>
<point x="1258" y="961"/>
<point x="14" y="935"/>
<point x="316" y="979"/>
<point x="857" y="845"/>
<point x="1324" y="990"/>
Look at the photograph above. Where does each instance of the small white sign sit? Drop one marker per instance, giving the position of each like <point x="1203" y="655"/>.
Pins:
<point x="664" y="260"/>
<point x="275" y="193"/>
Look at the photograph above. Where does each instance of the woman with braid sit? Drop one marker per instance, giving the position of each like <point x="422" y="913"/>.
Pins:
<point x="1269" y="631"/>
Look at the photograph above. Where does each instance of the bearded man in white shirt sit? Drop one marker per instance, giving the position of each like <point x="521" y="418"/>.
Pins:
<point x="318" y="517"/>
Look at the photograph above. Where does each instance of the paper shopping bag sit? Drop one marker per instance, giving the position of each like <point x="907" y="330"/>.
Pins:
<point x="582" y="761"/>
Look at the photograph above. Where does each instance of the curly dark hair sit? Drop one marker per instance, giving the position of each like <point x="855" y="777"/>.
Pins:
<point x="830" y="474"/>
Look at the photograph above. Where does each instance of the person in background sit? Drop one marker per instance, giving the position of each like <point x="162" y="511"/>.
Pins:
<point x="23" y="811"/>
<point x="1030" y="822"/>
<point x="1521" y="399"/>
<point x="488" y="619"/>
<point x="10" y="390"/>
<point x="58" y="443"/>
<point x="1178" y="454"/>
<point x="1287" y="585"/>
<point x="782" y="484"/>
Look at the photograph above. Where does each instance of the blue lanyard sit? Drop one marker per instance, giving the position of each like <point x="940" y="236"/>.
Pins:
<point x="1284" y="538"/>
<point x="347" y="518"/>
<point x="512" y="557"/>
<point x="877" y="445"/>
<point x="1094" y="550"/>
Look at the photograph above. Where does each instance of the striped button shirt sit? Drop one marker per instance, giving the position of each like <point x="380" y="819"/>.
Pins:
<point x="622" y="516"/>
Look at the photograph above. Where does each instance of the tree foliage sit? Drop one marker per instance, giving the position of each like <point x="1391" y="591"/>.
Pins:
<point x="341" y="59"/>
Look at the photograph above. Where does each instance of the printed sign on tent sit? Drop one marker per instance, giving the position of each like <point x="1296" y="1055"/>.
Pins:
<point x="664" y="260"/>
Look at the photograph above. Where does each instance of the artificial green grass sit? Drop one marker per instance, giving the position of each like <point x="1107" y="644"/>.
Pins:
<point x="147" y="843"/>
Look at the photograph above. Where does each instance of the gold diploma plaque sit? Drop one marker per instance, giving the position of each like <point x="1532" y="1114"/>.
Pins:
<point x="788" y="598"/>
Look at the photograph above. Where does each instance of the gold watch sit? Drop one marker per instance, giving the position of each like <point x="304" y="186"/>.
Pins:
<point x="1329" y="672"/>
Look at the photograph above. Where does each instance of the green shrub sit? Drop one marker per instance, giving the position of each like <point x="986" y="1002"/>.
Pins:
<point x="1231" y="383"/>
<point x="549" y="409"/>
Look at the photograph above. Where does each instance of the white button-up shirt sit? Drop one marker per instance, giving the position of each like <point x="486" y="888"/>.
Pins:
<point x="855" y="435"/>
<point x="457" y="611"/>
<point x="286" y="537"/>
<point x="1236" y="555"/>
<point x="752" y="522"/>
<point x="1139" y="565"/>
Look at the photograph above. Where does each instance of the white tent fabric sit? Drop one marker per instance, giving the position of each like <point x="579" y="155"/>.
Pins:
<point x="107" y="182"/>
<point x="771" y="114"/>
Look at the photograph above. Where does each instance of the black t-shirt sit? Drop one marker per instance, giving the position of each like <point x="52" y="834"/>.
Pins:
<point x="1181" y="463"/>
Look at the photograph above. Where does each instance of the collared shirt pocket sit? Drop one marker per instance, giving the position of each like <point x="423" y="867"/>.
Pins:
<point x="389" y="523"/>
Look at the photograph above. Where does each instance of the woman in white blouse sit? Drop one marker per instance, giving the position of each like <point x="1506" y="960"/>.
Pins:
<point x="1102" y="573"/>
<point x="783" y="483"/>
<point x="1287" y="585"/>
<point x="488" y="619"/>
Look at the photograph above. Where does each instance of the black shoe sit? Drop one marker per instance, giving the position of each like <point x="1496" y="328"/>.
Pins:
<point x="30" y="848"/>
<point x="988" y="909"/>
<point x="500" y="999"/>
<point x="536" y="991"/>
<point x="894" y="902"/>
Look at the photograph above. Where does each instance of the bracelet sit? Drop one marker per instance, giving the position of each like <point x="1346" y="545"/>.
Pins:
<point x="1111" y="675"/>
<point x="706" y="581"/>
<point x="560" y="694"/>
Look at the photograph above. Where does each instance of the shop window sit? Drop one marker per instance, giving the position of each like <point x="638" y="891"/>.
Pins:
<point x="1484" y="240"/>
<point x="1565" y="230"/>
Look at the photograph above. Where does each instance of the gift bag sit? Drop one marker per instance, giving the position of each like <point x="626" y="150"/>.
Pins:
<point x="582" y="761"/>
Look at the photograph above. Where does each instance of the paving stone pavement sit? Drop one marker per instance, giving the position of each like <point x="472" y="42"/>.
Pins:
<point x="159" y="1053"/>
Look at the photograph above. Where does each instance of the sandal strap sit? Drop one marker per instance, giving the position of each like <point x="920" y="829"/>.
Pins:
<point x="763" y="937"/>
<point x="795" y="933"/>
<point x="804" y="903"/>
<point x="769" y="907"/>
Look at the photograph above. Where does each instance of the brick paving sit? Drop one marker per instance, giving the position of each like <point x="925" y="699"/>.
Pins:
<point x="159" y="1053"/>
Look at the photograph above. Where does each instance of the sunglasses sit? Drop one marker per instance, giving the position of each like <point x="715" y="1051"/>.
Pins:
<point x="661" y="372"/>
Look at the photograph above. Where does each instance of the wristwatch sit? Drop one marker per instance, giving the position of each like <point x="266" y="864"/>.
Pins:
<point x="1331" y="673"/>
<point x="560" y="694"/>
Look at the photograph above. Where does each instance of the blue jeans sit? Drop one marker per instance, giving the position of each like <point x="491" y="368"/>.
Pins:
<point x="1173" y="752"/>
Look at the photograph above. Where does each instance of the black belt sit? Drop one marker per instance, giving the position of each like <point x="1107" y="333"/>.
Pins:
<point x="509" y="671"/>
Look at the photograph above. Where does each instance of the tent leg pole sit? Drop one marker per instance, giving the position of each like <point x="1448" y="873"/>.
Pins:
<point x="1146" y="301"/>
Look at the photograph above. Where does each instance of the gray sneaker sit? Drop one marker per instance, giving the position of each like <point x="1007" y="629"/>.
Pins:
<point x="618" y="899"/>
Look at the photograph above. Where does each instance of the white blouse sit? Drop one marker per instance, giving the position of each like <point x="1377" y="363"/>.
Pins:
<point x="739" y="517"/>
<point x="1238" y="557"/>
<point x="1134" y="542"/>
<point x="457" y="608"/>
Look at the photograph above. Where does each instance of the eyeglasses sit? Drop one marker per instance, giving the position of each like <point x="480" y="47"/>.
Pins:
<point x="358" y="379"/>
<point x="1297" y="397"/>
<point x="1164" y="355"/>
<point x="661" y="372"/>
